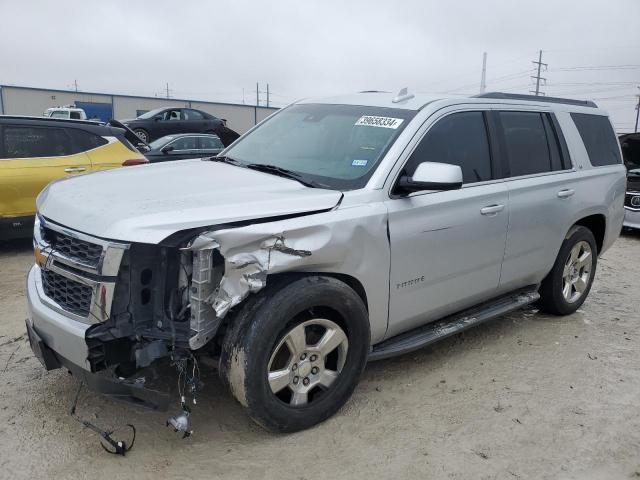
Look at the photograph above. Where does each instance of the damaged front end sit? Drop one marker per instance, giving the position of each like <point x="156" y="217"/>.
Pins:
<point x="169" y="303"/>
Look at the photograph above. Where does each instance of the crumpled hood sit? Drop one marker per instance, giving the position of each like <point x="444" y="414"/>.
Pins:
<point x="148" y="203"/>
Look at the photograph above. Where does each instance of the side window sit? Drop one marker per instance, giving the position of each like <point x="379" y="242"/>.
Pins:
<point x="74" y="115"/>
<point x="528" y="150"/>
<point x="172" y="115"/>
<point x="83" y="141"/>
<point x="186" y="143"/>
<point x="208" y="143"/>
<point x="598" y="138"/>
<point x="35" y="142"/>
<point x="192" y="114"/>
<point x="458" y="139"/>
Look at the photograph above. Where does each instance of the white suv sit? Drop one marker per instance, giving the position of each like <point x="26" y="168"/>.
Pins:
<point x="69" y="112"/>
<point x="337" y="231"/>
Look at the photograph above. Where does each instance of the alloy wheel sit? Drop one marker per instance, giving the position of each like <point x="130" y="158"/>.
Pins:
<point x="307" y="361"/>
<point x="577" y="272"/>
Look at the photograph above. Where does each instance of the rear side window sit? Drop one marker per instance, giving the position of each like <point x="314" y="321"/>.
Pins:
<point x="35" y="142"/>
<point x="457" y="139"/>
<point x="83" y="141"/>
<point x="185" y="143"/>
<point x="531" y="143"/>
<point x="192" y="114"/>
<point x="598" y="138"/>
<point x="208" y="143"/>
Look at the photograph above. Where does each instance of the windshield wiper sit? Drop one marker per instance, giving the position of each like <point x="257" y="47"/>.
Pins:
<point x="225" y="159"/>
<point x="283" y="172"/>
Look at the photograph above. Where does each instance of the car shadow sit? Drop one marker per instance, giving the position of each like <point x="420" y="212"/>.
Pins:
<point x="15" y="246"/>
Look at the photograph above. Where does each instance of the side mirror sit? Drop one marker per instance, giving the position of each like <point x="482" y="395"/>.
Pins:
<point x="167" y="149"/>
<point x="431" y="176"/>
<point x="157" y="117"/>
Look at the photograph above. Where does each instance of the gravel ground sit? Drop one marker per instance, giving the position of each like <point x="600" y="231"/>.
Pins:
<point x="527" y="396"/>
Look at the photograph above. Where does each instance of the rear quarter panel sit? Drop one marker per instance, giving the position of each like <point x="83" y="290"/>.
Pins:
<point x="603" y="188"/>
<point x="111" y="155"/>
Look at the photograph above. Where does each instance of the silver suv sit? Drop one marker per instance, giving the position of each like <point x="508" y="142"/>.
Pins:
<point x="336" y="232"/>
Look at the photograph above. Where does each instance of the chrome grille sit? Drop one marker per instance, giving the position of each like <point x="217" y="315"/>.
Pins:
<point x="74" y="248"/>
<point x="78" y="271"/>
<point x="70" y="295"/>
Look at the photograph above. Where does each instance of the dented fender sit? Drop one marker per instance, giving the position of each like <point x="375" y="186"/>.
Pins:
<point x="348" y="241"/>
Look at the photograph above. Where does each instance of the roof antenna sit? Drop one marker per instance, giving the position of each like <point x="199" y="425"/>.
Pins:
<point x="402" y="96"/>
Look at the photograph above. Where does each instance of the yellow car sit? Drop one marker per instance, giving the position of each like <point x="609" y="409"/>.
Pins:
<point x="36" y="151"/>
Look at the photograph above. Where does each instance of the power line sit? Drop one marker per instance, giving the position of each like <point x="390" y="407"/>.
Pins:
<point x="597" y="67"/>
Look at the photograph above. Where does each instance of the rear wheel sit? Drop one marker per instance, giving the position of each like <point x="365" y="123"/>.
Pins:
<point x="142" y="134"/>
<point x="296" y="352"/>
<point x="566" y="287"/>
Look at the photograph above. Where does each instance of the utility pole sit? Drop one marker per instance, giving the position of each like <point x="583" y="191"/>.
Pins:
<point x="267" y="94"/>
<point x="483" y="79"/>
<point x="257" y="94"/>
<point x="243" y="102"/>
<point x="167" y="89"/>
<point x="637" y="112"/>
<point x="538" y="77"/>
<point x="75" y="84"/>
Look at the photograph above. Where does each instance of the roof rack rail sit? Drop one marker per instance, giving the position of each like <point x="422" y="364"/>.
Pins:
<point x="537" y="98"/>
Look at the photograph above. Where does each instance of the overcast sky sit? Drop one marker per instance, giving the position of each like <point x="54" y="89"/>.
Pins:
<point x="212" y="50"/>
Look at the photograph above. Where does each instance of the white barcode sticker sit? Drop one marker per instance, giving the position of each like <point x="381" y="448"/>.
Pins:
<point x="384" y="122"/>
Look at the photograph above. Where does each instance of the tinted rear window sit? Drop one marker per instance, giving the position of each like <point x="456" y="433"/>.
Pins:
<point x="599" y="138"/>
<point x="530" y="144"/>
<point x="83" y="141"/>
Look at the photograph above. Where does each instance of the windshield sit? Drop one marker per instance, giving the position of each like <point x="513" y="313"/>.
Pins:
<point x="336" y="145"/>
<point x="151" y="113"/>
<point x="59" y="114"/>
<point x="159" y="143"/>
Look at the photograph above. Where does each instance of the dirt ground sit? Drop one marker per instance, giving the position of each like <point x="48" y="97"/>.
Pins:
<point x="527" y="396"/>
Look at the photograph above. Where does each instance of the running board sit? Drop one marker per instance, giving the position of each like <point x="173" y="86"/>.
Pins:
<point x="459" y="322"/>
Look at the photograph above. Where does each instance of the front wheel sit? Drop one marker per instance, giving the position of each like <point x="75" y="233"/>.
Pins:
<point x="566" y="287"/>
<point x="296" y="351"/>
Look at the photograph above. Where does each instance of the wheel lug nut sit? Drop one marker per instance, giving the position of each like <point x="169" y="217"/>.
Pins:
<point x="296" y="380"/>
<point x="295" y="367"/>
<point x="314" y="370"/>
<point x="303" y="356"/>
<point x="305" y="381"/>
<point x="313" y="358"/>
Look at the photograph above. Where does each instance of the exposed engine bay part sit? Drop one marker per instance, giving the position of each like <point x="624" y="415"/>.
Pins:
<point x="230" y="263"/>
<point x="115" y="447"/>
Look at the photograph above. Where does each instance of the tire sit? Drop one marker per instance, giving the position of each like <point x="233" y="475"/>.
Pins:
<point x="257" y="348"/>
<point x="142" y="134"/>
<point x="567" y="286"/>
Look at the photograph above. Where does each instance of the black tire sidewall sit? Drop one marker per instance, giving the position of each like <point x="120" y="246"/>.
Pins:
<point x="268" y="322"/>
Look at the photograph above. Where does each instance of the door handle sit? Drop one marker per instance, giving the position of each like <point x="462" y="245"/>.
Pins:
<point x="75" y="169"/>
<point x="491" y="209"/>
<point x="566" y="193"/>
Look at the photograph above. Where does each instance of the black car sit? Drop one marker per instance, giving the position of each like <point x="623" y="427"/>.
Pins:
<point x="170" y="121"/>
<point x="183" y="146"/>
